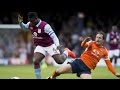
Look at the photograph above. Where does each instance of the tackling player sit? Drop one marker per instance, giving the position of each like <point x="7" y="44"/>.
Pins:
<point x="88" y="60"/>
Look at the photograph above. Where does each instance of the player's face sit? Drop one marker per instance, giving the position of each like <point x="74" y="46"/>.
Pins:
<point x="33" y="21"/>
<point x="114" y="28"/>
<point x="99" y="39"/>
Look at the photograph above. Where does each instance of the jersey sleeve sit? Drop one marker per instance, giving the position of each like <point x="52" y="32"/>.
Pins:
<point x="86" y="44"/>
<point x="24" y="26"/>
<point x="108" y="38"/>
<point x="108" y="63"/>
<point x="52" y="34"/>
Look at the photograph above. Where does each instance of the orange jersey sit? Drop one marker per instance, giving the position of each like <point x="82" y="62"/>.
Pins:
<point x="93" y="53"/>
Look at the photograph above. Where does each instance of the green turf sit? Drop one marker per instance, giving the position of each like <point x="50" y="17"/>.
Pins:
<point x="27" y="72"/>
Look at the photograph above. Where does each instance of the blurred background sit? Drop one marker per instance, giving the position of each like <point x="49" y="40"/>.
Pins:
<point x="71" y="28"/>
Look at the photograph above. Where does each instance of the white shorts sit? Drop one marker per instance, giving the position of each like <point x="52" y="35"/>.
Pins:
<point x="51" y="50"/>
<point x="112" y="53"/>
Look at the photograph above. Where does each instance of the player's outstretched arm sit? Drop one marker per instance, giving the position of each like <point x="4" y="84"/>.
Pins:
<point x="109" y="64"/>
<point x="84" y="42"/>
<point x="111" y="68"/>
<point x="22" y="25"/>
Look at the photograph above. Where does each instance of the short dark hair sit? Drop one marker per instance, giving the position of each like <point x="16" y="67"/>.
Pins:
<point x="32" y="15"/>
<point x="104" y="35"/>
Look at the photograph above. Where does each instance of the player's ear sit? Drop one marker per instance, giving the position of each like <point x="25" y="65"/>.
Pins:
<point x="103" y="41"/>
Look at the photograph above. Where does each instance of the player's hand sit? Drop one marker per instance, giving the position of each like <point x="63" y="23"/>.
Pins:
<point x="88" y="39"/>
<point x="59" y="47"/>
<point x="81" y="38"/>
<point x="20" y="19"/>
<point x="118" y="75"/>
<point x="111" y="41"/>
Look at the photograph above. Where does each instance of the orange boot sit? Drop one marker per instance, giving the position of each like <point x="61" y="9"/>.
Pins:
<point x="70" y="53"/>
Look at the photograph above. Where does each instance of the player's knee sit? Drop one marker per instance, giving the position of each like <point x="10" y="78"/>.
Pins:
<point x="35" y="60"/>
<point x="58" y="59"/>
<point x="59" y="62"/>
<point x="36" y="64"/>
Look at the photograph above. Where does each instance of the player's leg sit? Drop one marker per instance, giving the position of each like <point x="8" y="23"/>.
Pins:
<point x="111" y="59"/>
<point x="71" y="67"/>
<point x="66" y="68"/>
<point x="39" y="55"/>
<point x="111" y="54"/>
<point x="55" y="53"/>
<point x="69" y="53"/>
<point x="60" y="58"/>
<point x="115" y="60"/>
<point x="79" y="67"/>
<point x="116" y="56"/>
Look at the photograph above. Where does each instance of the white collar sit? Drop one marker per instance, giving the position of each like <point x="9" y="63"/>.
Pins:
<point x="38" y="23"/>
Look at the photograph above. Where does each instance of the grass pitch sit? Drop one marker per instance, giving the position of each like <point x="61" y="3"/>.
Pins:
<point x="27" y="72"/>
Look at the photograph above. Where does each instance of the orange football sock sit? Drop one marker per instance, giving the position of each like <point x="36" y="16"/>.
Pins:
<point x="55" y="75"/>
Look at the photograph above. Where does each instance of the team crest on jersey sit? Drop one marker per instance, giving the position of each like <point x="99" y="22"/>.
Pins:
<point x="35" y="34"/>
<point x="39" y="30"/>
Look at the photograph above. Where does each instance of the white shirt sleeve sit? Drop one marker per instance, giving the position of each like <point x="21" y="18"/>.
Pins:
<point x="108" y="37"/>
<point x="52" y="34"/>
<point x="24" y="26"/>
